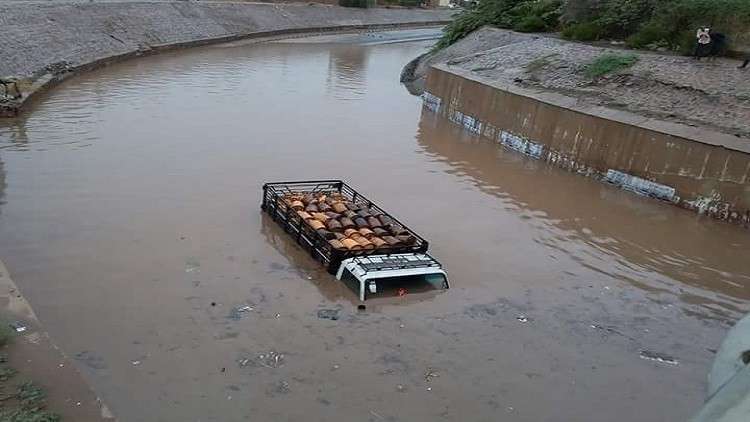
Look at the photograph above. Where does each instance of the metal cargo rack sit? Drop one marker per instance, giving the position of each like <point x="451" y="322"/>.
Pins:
<point x="312" y="241"/>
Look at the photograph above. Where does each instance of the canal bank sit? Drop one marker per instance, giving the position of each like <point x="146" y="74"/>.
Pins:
<point x="671" y="137"/>
<point x="45" y="43"/>
<point x="36" y="358"/>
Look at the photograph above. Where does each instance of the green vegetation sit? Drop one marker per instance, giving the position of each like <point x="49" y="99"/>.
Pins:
<point x="25" y="402"/>
<point x="404" y="3"/>
<point x="609" y="63"/>
<point x="521" y="15"/>
<point x="669" y="24"/>
<point x="586" y="31"/>
<point x="357" y="3"/>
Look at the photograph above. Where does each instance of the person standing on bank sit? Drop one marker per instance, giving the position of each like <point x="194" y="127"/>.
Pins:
<point x="702" y="43"/>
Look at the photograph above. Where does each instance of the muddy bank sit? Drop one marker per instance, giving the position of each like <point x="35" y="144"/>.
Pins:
<point x="714" y="96"/>
<point x="36" y="357"/>
<point x="46" y="42"/>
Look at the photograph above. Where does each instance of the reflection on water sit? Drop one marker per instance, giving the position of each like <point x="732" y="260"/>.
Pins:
<point x="613" y="232"/>
<point x="347" y="67"/>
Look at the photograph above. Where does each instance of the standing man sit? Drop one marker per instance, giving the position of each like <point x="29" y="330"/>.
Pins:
<point x="702" y="42"/>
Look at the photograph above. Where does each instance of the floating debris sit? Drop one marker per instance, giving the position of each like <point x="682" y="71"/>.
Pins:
<point x="236" y="312"/>
<point x="243" y="362"/>
<point x="522" y="318"/>
<point x="332" y="314"/>
<point x="400" y="388"/>
<point x="18" y="326"/>
<point x="271" y="359"/>
<point x="430" y="374"/>
<point x="658" y="357"/>
<point x="192" y="265"/>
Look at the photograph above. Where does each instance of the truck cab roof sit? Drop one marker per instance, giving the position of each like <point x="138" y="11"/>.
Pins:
<point x="368" y="270"/>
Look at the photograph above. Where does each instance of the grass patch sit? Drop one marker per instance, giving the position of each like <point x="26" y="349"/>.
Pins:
<point x="28" y="415"/>
<point x="609" y="63"/>
<point x="6" y="333"/>
<point x="539" y="63"/>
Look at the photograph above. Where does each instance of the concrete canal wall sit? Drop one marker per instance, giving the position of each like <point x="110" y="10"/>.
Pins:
<point x="699" y="170"/>
<point x="45" y="42"/>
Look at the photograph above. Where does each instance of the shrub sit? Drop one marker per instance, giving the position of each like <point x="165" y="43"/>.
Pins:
<point x="6" y="333"/>
<point x="587" y="31"/>
<point x="530" y="24"/>
<point x="528" y="15"/>
<point x="608" y="63"/>
<point x="357" y="3"/>
<point x="650" y="34"/>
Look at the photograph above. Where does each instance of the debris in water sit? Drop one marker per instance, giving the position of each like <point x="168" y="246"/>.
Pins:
<point x="271" y="359"/>
<point x="658" y="357"/>
<point x="332" y="314"/>
<point x="429" y="388"/>
<point x="236" y="312"/>
<point x="136" y="362"/>
<point x="374" y="413"/>
<point x="213" y="303"/>
<point x="278" y="315"/>
<point x="430" y="374"/>
<point x="400" y="388"/>
<point x="361" y="307"/>
<point x="192" y="265"/>
<point x="401" y="326"/>
<point x="243" y="362"/>
<point x="522" y="318"/>
<point x="335" y="367"/>
<point x="18" y="326"/>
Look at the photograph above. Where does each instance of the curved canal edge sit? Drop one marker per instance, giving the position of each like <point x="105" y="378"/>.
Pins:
<point x="49" y="43"/>
<point x="36" y="357"/>
<point x="693" y="168"/>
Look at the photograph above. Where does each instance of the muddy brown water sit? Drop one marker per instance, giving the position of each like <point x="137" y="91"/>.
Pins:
<point x="130" y="219"/>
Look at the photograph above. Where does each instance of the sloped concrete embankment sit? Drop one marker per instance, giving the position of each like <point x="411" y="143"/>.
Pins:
<point x="43" y="43"/>
<point x="36" y="357"/>
<point x="704" y="171"/>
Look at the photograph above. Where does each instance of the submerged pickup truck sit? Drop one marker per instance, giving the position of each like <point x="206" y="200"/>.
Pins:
<point x="366" y="248"/>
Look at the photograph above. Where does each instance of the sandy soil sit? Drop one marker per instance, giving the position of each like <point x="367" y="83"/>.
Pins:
<point x="714" y="95"/>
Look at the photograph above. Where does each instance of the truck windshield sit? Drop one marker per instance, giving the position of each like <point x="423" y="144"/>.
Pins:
<point x="395" y="286"/>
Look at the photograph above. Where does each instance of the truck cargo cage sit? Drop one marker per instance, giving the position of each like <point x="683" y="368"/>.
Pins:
<point x="312" y="241"/>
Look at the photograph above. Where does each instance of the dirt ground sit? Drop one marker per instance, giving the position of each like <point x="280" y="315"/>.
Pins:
<point x="709" y="94"/>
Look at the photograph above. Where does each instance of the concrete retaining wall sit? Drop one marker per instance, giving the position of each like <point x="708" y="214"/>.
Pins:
<point x="706" y="178"/>
<point x="44" y="42"/>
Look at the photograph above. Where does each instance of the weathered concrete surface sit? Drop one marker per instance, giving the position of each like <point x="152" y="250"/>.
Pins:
<point x="44" y="42"/>
<point x="711" y="176"/>
<point x="36" y="357"/>
<point x="708" y="102"/>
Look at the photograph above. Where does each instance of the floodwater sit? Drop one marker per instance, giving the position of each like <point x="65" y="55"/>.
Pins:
<point x="130" y="219"/>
